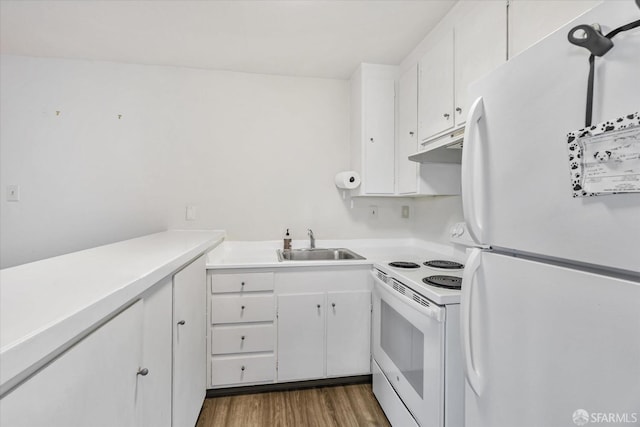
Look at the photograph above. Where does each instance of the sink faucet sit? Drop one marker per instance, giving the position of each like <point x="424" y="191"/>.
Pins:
<point x="312" y="240"/>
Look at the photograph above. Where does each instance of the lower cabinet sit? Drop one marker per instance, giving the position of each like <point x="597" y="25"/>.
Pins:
<point x="241" y="329"/>
<point x="154" y="404"/>
<point x="189" y="343"/>
<point x="348" y="333"/>
<point x="94" y="383"/>
<point x="143" y="367"/>
<point x="323" y="335"/>
<point x="291" y="324"/>
<point x="301" y="327"/>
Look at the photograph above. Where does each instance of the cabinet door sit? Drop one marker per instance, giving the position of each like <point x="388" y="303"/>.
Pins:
<point x="379" y="136"/>
<point x="189" y="338"/>
<point x="91" y="384"/>
<point x="348" y="333"/>
<point x="436" y="87"/>
<point x="154" y="408"/>
<point x="408" y="131"/>
<point x="480" y="46"/>
<point x="301" y="324"/>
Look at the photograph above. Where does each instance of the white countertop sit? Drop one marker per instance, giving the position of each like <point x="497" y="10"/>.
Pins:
<point x="45" y="305"/>
<point x="247" y="254"/>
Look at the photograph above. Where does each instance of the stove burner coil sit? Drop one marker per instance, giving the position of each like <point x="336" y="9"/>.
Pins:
<point x="404" y="264"/>
<point x="447" y="282"/>
<point x="446" y="265"/>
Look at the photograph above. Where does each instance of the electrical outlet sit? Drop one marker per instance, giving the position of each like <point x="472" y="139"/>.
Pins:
<point x="191" y="213"/>
<point x="373" y="212"/>
<point x="13" y="193"/>
<point x="405" y="212"/>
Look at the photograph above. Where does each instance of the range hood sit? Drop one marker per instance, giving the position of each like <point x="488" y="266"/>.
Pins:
<point x="445" y="148"/>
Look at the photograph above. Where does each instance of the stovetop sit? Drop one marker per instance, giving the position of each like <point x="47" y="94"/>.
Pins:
<point x="412" y="277"/>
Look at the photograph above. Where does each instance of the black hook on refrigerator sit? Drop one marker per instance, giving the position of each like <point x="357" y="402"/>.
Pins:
<point x="591" y="38"/>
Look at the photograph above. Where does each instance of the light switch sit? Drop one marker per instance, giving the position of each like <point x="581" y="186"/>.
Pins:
<point x="13" y="193"/>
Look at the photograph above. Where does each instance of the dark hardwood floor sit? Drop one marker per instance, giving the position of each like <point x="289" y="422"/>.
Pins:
<point x="335" y="406"/>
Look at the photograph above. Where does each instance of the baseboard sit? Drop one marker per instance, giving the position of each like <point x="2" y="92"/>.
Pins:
<point x="296" y="385"/>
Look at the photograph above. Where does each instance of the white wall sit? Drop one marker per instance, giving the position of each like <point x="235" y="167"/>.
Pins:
<point x="254" y="153"/>
<point x="434" y="216"/>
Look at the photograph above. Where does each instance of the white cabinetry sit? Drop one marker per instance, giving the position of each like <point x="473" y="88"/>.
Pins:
<point x="242" y="334"/>
<point x="532" y="20"/>
<point x="407" y="131"/>
<point x="189" y="342"/>
<point x="94" y="383"/>
<point x="154" y="408"/>
<point x="470" y="42"/>
<point x="372" y="128"/>
<point x="301" y="325"/>
<point x="324" y="323"/>
<point x="348" y="333"/>
<point x="415" y="179"/>
<point x="436" y="87"/>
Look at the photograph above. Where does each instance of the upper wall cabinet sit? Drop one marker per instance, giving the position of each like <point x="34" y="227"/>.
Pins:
<point x="407" y="131"/>
<point x="470" y="42"/>
<point x="373" y="128"/>
<point x="532" y="20"/>
<point x="414" y="179"/>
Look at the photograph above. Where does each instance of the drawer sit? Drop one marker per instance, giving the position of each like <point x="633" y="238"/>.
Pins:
<point x="242" y="339"/>
<point x="242" y="308"/>
<point x="226" y="370"/>
<point x="241" y="282"/>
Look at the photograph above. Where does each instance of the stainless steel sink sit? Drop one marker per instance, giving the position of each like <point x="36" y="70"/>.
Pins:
<point x="330" y="254"/>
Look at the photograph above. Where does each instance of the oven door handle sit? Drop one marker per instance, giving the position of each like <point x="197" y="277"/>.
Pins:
<point x="473" y="377"/>
<point x="436" y="312"/>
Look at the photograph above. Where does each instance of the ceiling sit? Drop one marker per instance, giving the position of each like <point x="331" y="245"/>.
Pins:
<point x="298" y="38"/>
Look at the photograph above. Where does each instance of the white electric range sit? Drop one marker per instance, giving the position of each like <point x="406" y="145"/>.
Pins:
<point x="434" y="282"/>
<point x="417" y="368"/>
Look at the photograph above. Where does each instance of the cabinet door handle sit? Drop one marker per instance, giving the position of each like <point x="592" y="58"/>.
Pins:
<point x="242" y="308"/>
<point x="182" y="322"/>
<point x="242" y="368"/>
<point x="318" y="305"/>
<point x="333" y="304"/>
<point x="242" y="338"/>
<point x="143" y="372"/>
<point x="459" y="110"/>
<point x="411" y="133"/>
<point x="371" y="139"/>
<point x="242" y="284"/>
<point x="446" y="115"/>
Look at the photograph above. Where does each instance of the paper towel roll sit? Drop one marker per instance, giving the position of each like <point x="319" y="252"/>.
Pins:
<point x="347" y="180"/>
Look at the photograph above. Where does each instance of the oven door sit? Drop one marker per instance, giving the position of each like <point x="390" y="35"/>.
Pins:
<point x="408" y="345"/>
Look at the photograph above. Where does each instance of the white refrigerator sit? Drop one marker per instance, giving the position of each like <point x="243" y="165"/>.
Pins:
<point x="551" y="305"/>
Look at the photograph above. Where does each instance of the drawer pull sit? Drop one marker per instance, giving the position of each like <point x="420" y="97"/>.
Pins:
<point x="242" y="308"/>
<point x="333" y="304"/>
<point x="318" y="306"/>
<point x="242" y="284"/>
<point x="242" y="338"/>
<point x="182" y="322"/>
<point x="143" y="372"/>
<point x="242" y="369"/>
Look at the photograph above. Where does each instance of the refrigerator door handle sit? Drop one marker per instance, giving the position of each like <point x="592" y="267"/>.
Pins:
<point x="471" y="172"/>
<point x="471" y="374"/>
